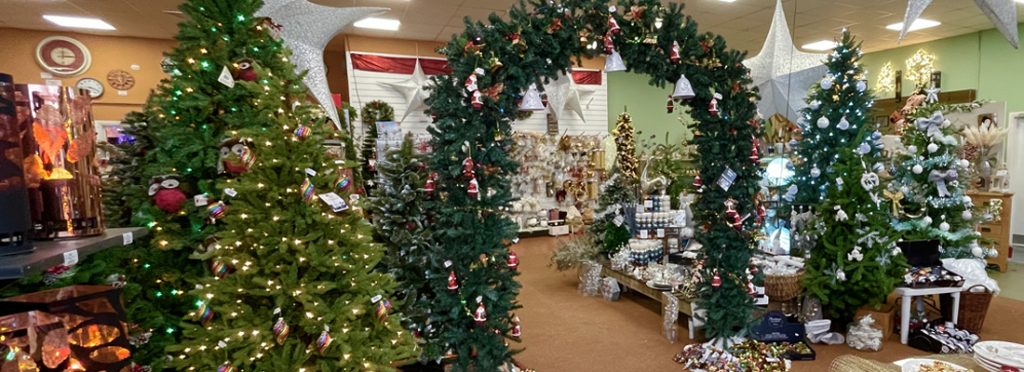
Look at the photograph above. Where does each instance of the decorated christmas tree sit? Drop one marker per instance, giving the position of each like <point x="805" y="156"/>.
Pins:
<point x="855" y="261"/>
<point x="371" y="113"/>
<point x="837" y="107"/>
<point x="402" y="226"/>
<point x="625" y="148"/>
<point x="119" y="192"/>
<point x="928" y="193"/>
<point x="621" y="188"/>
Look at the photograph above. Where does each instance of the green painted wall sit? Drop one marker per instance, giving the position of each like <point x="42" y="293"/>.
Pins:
<point x="983" y="60"/>
<point x="646" y="104"/>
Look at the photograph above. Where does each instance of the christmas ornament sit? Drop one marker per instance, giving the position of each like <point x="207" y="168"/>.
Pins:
<point x="673" y="55"/>
<point x="932" y="94"/>
<point x="342" y="181"/>
<point x="815" y="171"/>
<point x="840" y="214"/>
<point x="217" y="210"/>
<point x="895" y="197"/>
<point x="826" y="83"/>
<point x="861" y="85"/>
<point x="609" y="44"/>
<point x="302" y="132"/>
<point x="669" y="105"/>
<point x="219" y="269"/>
<point x="244" y="70"/>
<point x="513" y="260"/>
<point x="614" y="63"/>
<point x="531" y="99"/>
<point x="754" y="157"/>
<point x="940" y="178"/>
<point x="932" y="147"/>
<point x="841" y="275"/>
<point x="235" y="156"/>
<point x="613" y="25"/>
<point x="713" y="105"/>
<point x="917" y="169"/>
<point x="306" y="30"/>
<point x="783" y="73"/>
<point x="517" y="330"/>
<point x="843" y="124"/>
<point x="480" y="315"/>
<point x="823" y="122"/>
<point x="564" y="94"/>
<point x="716" y="281"/>
<point x="476" y="101"/>
<point x="413" y="90"/>
<point x="869" y="180"/>
<point x="204" y="314"/>
<point x="697" y="183"/>
<point x="453" y="283"/>
<point x="473" y="189"/>
<point x="324" y="341"/>
<point x="1002" y="13"/>
<point x="467" y="168"/>
<point x="165" y="193"/>
<point x="926" y="220"/>
<point x="684" y="90"/>
<point x="967" y="215"/>
<point x="944" y="226"/>
<point x="751" y="290"/>
<point x="226" y="367"/>
<point x="815" y="104"/>
<point x="281" y="331"/>
<point x="383" y="308"/>
<point x="964" y="163"/>
<point x="308" y="190"/>
<point x="977" y="251"/>
<point x="912" y="149"/>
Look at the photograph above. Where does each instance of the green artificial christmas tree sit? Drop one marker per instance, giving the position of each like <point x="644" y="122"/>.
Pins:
<point x="837" y="108"/>
<point x="402" y="226"/>
<point x="928" y="193"/>
<point x="625" y="148"/>
<point x="371" y="113"/>
<point x="119" y="185"/>
<point x="621" y="188"/>
<point x="855" y="261"/>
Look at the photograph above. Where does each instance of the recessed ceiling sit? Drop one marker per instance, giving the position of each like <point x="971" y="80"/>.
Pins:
<point x="743" y="23"/>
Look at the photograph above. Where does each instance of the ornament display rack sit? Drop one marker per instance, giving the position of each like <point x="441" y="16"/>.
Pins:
<point x="65" y="252"/>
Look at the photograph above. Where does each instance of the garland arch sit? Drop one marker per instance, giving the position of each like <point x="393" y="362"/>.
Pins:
<point x="471" y="133"/>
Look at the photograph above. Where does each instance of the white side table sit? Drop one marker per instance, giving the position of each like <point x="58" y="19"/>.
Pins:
<point x="907" y="294"/>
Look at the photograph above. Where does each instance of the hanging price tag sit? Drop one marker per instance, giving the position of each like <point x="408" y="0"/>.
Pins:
<point x="727" y="178"/>
<point x="201" y="200"/>
<point x="231" y="192"/>
<point x="71" y="257"/>
<point x="643" y="234"/>
<point x="226" y="78"/>
<point x="127" y="238"/>
<point x="311" y="172"/>
<point x="376" y="298"/>
<point x="618" y="221"/>
<point x="447" y="263"/>
<point x="337" y="203"/>
<point x="660" y="233"/>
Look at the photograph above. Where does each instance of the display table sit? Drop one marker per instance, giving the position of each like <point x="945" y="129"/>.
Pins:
<point x="907" y="295"/>
<point x="851" y="363"/>
<point x="686" y="307"/>
<point x="65" y="251"/>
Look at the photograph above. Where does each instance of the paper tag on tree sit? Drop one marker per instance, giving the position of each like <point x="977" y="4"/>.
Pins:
<point x="727" y="178"/>
<point x="376" y="299"/>
<point x="618" y="221"/>
<point x="643" y="234"/>
<point x="311" y="172"/>
<point x="660" y="233"/>
<point x="230" y="192"/>
<point x="337" y="203"/>
<point x="71" y="257"/>
<point x="127" y="238"/>
<point x="226" y="78"/>
<point x="201" y="200"/>
<point x="447" y="263"/>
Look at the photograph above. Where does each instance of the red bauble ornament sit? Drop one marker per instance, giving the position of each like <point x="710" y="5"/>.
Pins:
<point x="754" y="157"/>
<point x="697" y="182"/>
<point x="716" y="281"/>
<point x="480" y="315"/>
<point x="453" y="283"/>
<point x="166" y="194"/>
<point x="513" y="260"/>
<point x="428" y="187"/>
<point x="244" y="70"/>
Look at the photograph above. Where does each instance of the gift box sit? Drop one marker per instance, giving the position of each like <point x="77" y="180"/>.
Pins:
<point x="776" y="328"/>
<point x="95" y="321"/>
<point x="59" y="145"/>
<point x="33" y="341"/>
<point x="15" y="221"/>
<point x="884" y="316"/>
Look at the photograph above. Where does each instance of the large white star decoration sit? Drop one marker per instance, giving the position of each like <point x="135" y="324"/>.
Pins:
<point x="1002" y="13"/>
<point x="306" y="30"/>
<point x="782" y="73"/>
<point x="563" y="93"/>
<point x="413" y="90"/>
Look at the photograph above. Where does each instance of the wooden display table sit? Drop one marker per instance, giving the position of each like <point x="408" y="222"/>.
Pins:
<point x="686" y="306"/>
<point x="997" y="230"/>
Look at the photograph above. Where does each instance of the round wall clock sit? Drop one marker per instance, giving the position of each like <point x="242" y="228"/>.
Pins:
<point x="62" y="55"/>
<point x="120" y="80"/>
<point x="93" y="86"/>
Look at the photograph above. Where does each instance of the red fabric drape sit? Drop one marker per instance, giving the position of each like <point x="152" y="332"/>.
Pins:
<point x="398" y="65"/>
<point x="587" y="77"/>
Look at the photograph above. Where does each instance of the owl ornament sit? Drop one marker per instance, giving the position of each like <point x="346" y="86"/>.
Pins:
<point x="245" y="70"/>
<point x="166" y="193"/>
<point x="236" y="156"/>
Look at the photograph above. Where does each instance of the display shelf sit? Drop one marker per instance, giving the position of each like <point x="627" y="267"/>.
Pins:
<point x="66" y="251"/>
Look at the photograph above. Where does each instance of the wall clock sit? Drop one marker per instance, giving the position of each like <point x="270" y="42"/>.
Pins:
<point x="120" y="79"/>
<point x="93" y="86"/>
<point x="63" y="56"/>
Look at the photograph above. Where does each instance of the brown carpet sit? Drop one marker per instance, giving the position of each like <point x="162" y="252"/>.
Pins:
<point x="565" y="331"/>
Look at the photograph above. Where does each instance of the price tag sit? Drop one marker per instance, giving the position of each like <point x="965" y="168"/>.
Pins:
<point x="311" y="172"/>
<point x="337" y="203"/>
<point x="648" y="204"/>
<point x="447" y="264"/>
<point x="727" y="178"/>
<point x="376" y="298"/>
<point x="122" y="93"/>
<point x="201" y="200"/>
<point x="231" y="192"/>
<point x="45" y="75"/>
<point x="618" y="221"/>
<point x="661" y="233"/>
<point x="643" y="234"/>
<point x="71" y="257"/>
<point x="226" y="78"/>
<point x="127" y="238"/>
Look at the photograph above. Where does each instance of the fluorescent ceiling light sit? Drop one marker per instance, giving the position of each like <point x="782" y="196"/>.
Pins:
<point x="378" y="23"/>
<point x="733" y="1"/>
<point x="820" y="45"/>
<point x="78" y="22"/>
<point x="918" y="24"/>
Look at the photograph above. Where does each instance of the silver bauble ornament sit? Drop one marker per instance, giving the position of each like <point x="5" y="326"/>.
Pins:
<point x="843" y="124"/>
<point x="917" y="169"/>
<point x="826" y="83"/>
<point x="823" y="122"/>
<point x="815" y="172"/>
<point x="927" y="220"/>
<point x="967" y="215"/>
<point x="932" y="147"/>
<point x="862" y="86"/>
<point x="912" y="149"/>
<point x="944" y="226"/>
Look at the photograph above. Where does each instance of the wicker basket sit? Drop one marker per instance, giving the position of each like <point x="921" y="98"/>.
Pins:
<point x="973" y="308"/>
<point x="783" y="287"/>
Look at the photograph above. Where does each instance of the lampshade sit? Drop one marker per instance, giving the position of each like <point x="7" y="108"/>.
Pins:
<point x="683" y="88"/>
<point x="531" y="100"/>
<point x="613" y="62"/>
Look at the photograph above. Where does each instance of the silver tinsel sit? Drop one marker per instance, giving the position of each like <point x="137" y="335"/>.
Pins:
<point x="306" y="30"/>
<point x="590" y="278"/>
<point x="782" y="72"/>
<point x="669" y="315"/>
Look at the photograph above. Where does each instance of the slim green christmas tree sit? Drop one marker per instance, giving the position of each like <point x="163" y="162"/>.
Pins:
<point x="291" y="281"/>
<point x="125" y="172"/>
<point x="402" y="226"/>
<point x="621" y="188"/>
<point x="927" y="193"/>
<point x="855" y="261"/>
<point x="837" y="108"/>
<point x="371" y="113"/>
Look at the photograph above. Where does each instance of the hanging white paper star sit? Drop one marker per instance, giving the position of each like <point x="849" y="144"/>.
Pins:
<point x="306" y="30"/>
<point x="563" y="93"/>
<point x="413" y="91"/>
<point x="782" y="73"/>
<point x="1002" y="13"/>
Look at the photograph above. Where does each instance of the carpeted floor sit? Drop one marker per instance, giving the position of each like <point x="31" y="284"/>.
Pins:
<point x="564" y="331"/>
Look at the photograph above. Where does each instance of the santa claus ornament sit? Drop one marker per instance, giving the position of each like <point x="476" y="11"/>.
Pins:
<point x="480" y="315"/>
<point x="513" y="260"/>
<point x="673" y="54"/>
<point x="473" y="189"/>
<point x="245" y="70"/>
<point x="453" y="283"/>
<point x="429" y="186"/>
<point x="467" y="168"/>
<point x="613" y="25"/>
<point x="236" y="156"/>
<point x="716" y="281"/>
<point x="166" y="194"/>
<point x="713" y="105"/>
<point x="517" y="330"/>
